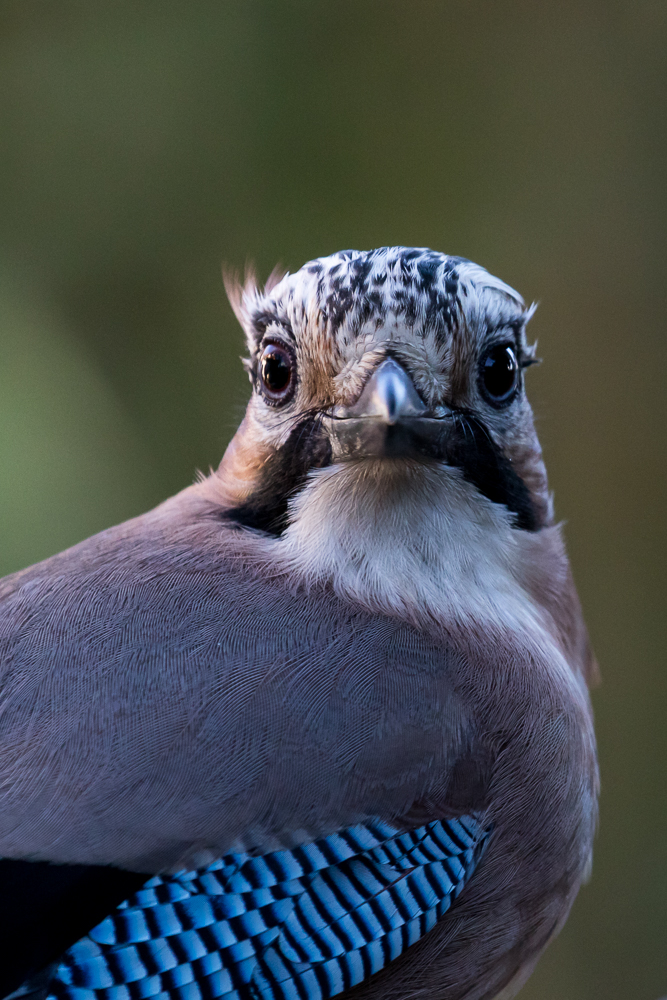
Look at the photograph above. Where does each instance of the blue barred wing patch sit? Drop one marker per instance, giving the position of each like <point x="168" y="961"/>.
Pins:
<point x="300" y="924"/>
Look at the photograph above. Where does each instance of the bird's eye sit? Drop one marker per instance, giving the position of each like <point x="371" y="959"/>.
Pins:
<point x="499" y="375"/>
<point x="276" y="366"/>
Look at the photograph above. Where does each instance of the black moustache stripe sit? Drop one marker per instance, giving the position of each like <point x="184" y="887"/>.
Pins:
<point x="283" y="475"/>
<point x="462" y="441"/>
<point x="471" y="448"/>
<point x="465" y="444"/>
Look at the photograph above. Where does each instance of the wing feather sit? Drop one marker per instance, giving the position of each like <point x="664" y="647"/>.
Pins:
<point x="305" y="924"/>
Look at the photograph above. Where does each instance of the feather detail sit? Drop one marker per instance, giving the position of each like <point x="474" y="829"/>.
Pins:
<point x="300" y="924"/>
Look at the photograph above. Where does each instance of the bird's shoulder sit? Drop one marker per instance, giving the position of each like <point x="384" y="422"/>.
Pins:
<point x="174" y="698"/>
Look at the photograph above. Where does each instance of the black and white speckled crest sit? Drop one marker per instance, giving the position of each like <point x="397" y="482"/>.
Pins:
<point x="342" y="312"/>
<point x="425" y="290"/>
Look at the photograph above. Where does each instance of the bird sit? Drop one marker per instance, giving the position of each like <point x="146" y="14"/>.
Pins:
<point x="319" y="725"/>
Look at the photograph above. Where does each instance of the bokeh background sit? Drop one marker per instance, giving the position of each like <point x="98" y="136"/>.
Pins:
<point x="141" y="144"/>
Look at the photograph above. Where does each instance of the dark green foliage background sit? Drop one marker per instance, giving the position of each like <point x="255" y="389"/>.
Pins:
<point x="142" y="143"/>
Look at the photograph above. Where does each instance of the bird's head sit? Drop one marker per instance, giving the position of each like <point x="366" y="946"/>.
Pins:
<point x="388" y="450"/>
<point x="398" y="360"/>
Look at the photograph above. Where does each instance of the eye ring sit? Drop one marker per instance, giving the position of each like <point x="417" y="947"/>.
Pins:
<point x="499" y="375"/>
<point x="277" y="373"/>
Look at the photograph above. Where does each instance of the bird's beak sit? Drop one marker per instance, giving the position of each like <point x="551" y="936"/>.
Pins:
<point x="388" y="420"/>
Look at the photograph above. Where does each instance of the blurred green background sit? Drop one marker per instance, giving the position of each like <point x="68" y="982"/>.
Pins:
<point x="143" y="143"/>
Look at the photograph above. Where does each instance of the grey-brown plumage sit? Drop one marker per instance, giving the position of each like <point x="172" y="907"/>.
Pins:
<point x="365" y="614"/>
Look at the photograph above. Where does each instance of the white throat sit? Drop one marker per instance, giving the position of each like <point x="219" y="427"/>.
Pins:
<point x="411" y="540"/>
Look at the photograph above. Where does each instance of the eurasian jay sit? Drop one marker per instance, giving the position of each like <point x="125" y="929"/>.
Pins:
<point x="318" y="725"/>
